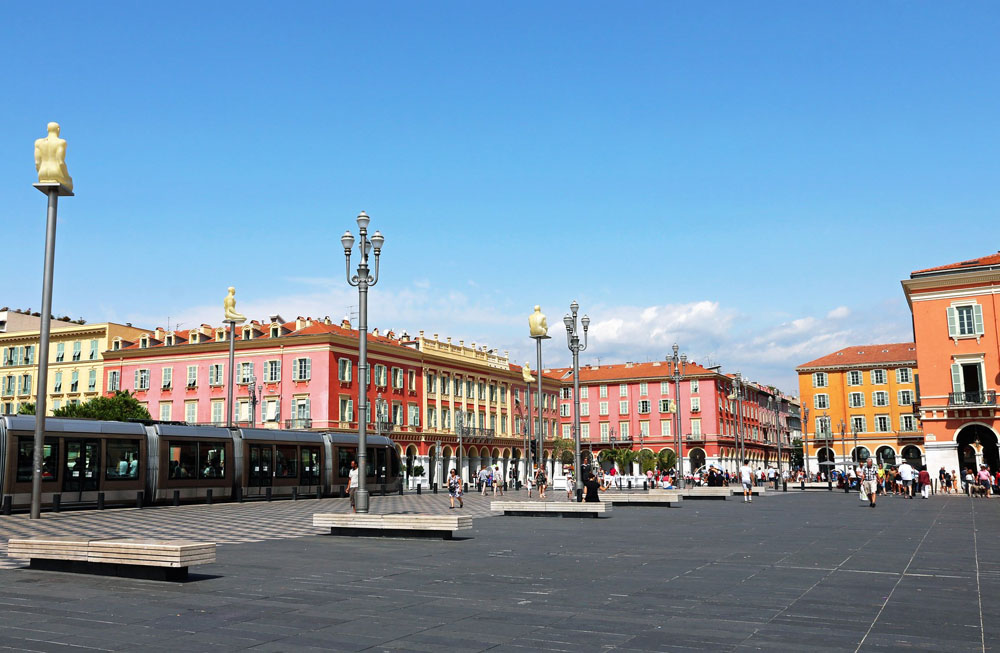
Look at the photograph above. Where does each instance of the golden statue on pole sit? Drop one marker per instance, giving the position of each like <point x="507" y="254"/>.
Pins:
<point x="537" y="322"/>
<point x="50" y="159"/>
<point x="229" y="303"/>
<point x="526" y="373"/>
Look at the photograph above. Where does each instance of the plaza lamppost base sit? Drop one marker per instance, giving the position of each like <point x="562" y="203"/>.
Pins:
<point x="361" y="500"/>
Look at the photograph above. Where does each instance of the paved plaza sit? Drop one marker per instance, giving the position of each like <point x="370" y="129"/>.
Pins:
<point x="799" y="571"/>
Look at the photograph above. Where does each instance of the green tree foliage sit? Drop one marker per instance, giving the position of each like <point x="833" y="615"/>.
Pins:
<point x="26" y="409"/>
<point x="797" y="460"/>
<point x="647" y="460"/>
<point x="667" y="459"/>
<point x="121" y="407"/>
<point x="563" y="450"/>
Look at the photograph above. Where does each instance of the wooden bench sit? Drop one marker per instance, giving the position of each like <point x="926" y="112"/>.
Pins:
<point x="133" y="557"/>
<point x="660" y="498"/>
<point x="393" y="525"/>
<point x="551" y="508"/>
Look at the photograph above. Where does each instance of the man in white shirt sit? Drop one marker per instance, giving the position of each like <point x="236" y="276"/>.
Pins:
<point x="746" y="478"/>
<point x="352" y="483"/>
<point x="906" y="475"/>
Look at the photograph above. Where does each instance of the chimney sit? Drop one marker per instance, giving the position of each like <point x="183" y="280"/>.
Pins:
<point x="375" y="332"/>
<point x="345" y="324"/>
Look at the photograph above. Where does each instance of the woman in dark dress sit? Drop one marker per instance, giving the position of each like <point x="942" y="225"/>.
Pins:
<point x="592" y="488"/>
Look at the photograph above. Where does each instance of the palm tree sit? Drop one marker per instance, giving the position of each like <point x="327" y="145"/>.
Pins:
<point x="667" y="459"/>
<point x="647" y="460"/>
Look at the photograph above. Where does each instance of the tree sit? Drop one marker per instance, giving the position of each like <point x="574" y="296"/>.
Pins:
<point x="647" y="460"/>
<point x="797" y="452"/>
<point x="626" y="457"/>
<point x="667" y="459"/>
<point x="121" y="407"/>
<point x="564" y="450"/>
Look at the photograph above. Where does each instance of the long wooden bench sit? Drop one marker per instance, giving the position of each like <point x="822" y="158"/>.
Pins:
<point x="662" y="498"/>
<point x="133" y="557"/>
<point x="393" y="524"/>
<point x="551" y="508"/>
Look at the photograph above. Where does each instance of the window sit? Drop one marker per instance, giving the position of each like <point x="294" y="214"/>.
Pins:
<point x="58" y="384"/>
<point x="74" y="380"/>
<point x="566" y="393"/>
<point x="301" y="369"/>
<point x="122" y="460"/>
<point x="665" y="428"/>
<point x="343" y="370"/>
<point x="664" y="388"/>
<point x="482" y="390"/>
<point x="585" y="431"/>
<point x="623" y="428"/>
<point x="198" y="460"/>
<point x="301" y="409"/>
<point x="882" y="424"/>
<point x="191" y="412"/>
<point x="272" y="371"/>
<point x="856" y="399"/>
<point x="564" y="410"/>
<point x="457" y="386"/>
<point x="143" y="342"/>
<point x="696" y="426"/>
<point x="880" y="398"/>
<point x="878" y="377"/>
<point x="821" y="402"/>
<point x="397" y="378"/>
<point x="623" y="390"/>
<point x="93" y="350"/>
<point x="565" y="431"/>
<point x="114" y="381"/>
<point x="246" y="372"/>
<point x="858" y="424"/>
<point x="414" y="416"/>
<point x="77" y="346"/>
<point x="643" y="406"/>
<point x="286" y="461"/>
<point x="854" y="377"/>
<point x="192" y="376"/>
<point x="664" y="405"/>
<point x="695" y="404"/>
<point x="91" y="380"/>
<point x="275" y="331"/>
<point x="165" y="408"/>
<point x="584" y="393"/>
<point x="215" y="374"/>
<point x="694" y="386"/>
<point x="217" y="412"/>
<point x="346" y="409"/>
<point x="905" y="397"/>
<point x="965" y="321"/>
<point x="397" y="414"/>
<point x="493" y="393"/>
<point x="503" y="394"/>
<point x="643" y="389"/>
<point x="60" y="352"/>
<point x="432" y="419"/>
<point x="25" y="460"/>
<point x="903" y="375"/>
<point x="644" y="429"/>
<point x="270" y="410"/>
<point x="823" y="426"/>
<point x="431" y="383"/>
<point x="469" y="389"/>
<point x="623" y="407"/>
<point x="603" y="408"/>
<point x="820" y="380"/>
<point x="906" y="423"/>
<point x="584" y="410"/>
<point x="166" y="377"/>
<point x="381" y="375"/>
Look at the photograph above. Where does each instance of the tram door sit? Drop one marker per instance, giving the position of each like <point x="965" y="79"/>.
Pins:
<point x="82" y="461"/>
<point x="260" y="467"/>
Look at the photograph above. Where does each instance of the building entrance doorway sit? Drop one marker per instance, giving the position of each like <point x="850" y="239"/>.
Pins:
<point x="976" y="434"/>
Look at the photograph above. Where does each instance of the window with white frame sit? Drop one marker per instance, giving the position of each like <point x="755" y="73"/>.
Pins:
<point x="141" y="379"/>
<point x="92" y="380"/>
<point x="218" y="407"/>
<point x="623" y="390"/>
<point x="623" y="408"/>
<point x="346" y="409"/>
<point x="820" y="379"/>
<point x="696" y="426"/>
<point x="482" y="390"/>
<point x="584" y="409"/>
<point x="854" y="377"/>
<point x="906" y="397"/>
<point x="432" y="418"/>
<point x="605" y="432"/>
<point x="301" y="369"/>
<point x="165" y="407"/>
<point x="603" y="391"/>
<point x="584" y="392"/>
<point x="665" y="428"/>
<point x="856" y="399"/>
<point x="695" y="404"/>
<point x="585" y="431"/>
<point x="301" y="408"/>
<point x="694" y="386"/>
<point x="907" y="423"/>
<point x="643" y="389"/>
<point x="565" y="430"/>
<point x="114" y="381"/>
<point x="344" y="370"/>
<point x="603" y="408"/>
<point x="823" y="425"/>
<point x="246" y="372"/>
<point x="664" y="405"/>
<point x="215" y="374"/>
<point x="414" y="415"/>
<point x="664" y="388"/>
<point x="878" y="377"/>
<point x="564" y="410"/>
<point x="192" y="376"/>
<point x="397" y="378"/>
<point x="644" y="429"/>
<point x="58" y="384"/>
<point x="882" y="424"/>
<point x="272" y="371"/>
<point x="965" y="320"/>
<point x="904" y="375"/>
<point x="858" y="424"/>
<point x="566" y="393"/>
<point x="821" y="401"/>
<point x="191" y="412"/>
<point x="166" y="377"/>
<point x="382" y="376"/>
<point x="643" y="406"/>
<point x="880" y="398"/>
<point x="623" y="431"/>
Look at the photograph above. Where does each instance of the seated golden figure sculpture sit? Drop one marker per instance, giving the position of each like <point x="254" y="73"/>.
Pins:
<point x="539" y="326"/>
<point x="229" y="303"/>
<point x="50" y="159"/>
<point x="526" y="373"/>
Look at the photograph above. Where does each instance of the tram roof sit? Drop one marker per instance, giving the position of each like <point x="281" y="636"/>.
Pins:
<point x="281" y="435"/>
<point x="21" y="423"/>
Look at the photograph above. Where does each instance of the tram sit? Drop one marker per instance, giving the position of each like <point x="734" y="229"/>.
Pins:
<point x="84" y="459"/>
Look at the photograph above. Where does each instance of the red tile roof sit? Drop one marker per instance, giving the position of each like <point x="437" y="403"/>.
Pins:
<point x="626" y="371"/>
<point x="992" y="259"/>
<point x="898" y="352"/>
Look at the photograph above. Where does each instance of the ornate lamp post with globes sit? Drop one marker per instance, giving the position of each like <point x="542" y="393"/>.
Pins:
<point x="573" y="342"/>
<point x="362" y="280"/>
<point x="680" y="364"/>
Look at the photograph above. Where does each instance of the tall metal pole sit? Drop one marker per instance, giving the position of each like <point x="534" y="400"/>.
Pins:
<point x="363" y="280"/>
<point x="777" y="430"/>
<point x="573" y="341"/>
<point x="541" y="403"/>
<point x="232" y="364"/>
<point x="527" y="439"/>
<point x="41" y="404"/>
<point x="805" y="439"/>
<point x="680" y="362"/>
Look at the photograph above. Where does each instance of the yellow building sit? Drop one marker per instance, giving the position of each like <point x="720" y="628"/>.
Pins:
<point x="859" y="402"/>
<point x="76" y="364"/>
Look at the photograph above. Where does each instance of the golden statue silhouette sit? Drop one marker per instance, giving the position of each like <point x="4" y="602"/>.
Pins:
<point x="50" y="159"/>
<point x="229" y="303"/>
<point x="539" y="327"/>
<point x="526" y="373"/>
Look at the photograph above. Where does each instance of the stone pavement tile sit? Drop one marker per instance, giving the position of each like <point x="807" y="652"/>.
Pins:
<point x="379" y="629"/>
<point x="467" y="641"/>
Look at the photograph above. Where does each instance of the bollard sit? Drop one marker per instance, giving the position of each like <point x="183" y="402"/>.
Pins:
<point x="630" y="484"/>
<point x="341" y="492"/>
<point x="400" y="488"/>
<point x="239" y="494"/>
<point x="579" y="495"/>
<point x="434" y="487"/>
<point x="645" y="485"/>
<point x="295" y="494"/>
<point x="803" y="484"/>
<point x="784" y="486"/>
<point x="519" y="485"/>
<point x="418" y="488"/>
<point x="208" y="496"/>
<point x="267" y="493"/>
<point x="100" y="501"/>
<point x="7" y="501"/>
<point x="465" y="487"/>
<point x="319" y="492"/>
<point x="56" y="500"/>
<point x="138" y="499"/>
<point x="177" y="498"/>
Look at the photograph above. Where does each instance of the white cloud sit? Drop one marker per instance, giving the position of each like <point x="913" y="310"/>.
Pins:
<point x="839" y="313"/>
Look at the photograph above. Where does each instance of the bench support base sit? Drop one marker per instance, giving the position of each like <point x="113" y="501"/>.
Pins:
<point x="173" y="574"/>
<point x="389" y="532"/>
<point x="549" y="513"/>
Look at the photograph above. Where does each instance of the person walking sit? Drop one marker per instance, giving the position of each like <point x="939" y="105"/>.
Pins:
<point x="593" y="489"/>
<point x="924" y="477"/>
<point x="906" y="473"/>
<point x="497" y="481"/>
<point x="746" y="478"/>
<point x="455" y="490"/>
<point x="569" y="486"/>
<point x="483" y="477"/>
<point x="869" y="481"/>
<point x="352" y="483"/>
<point x="542" y="482"/>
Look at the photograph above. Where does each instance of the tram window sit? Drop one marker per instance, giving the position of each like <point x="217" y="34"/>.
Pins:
<point x="344" y="458"/>
<point x="285" y="462"/>
<point x="123" y="460"/>
<point x="370" y="462"/>
<point x="25" y="459"/>
<point x="393" y="463"/>
<point x="212" y="459"/>
<point x="183" y="461"/>
<point x="310" y="466"/>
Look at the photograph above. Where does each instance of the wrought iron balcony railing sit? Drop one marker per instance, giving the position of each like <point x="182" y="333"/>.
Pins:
<point x="299" y="423"/>
<point x="979" y="398"/>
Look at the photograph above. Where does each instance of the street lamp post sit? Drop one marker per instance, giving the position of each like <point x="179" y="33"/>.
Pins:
<point x="252" y="389"/>
<point x="362" y="280"/>
<point x="777" y="429"/>
<point x="737" y="398"/>
<point x="55" y="182"/>
<point x="805" y="439"/>
<point x="830" y="464"/>
<point x="680" y="364"/>
<point x="573" y="342"/>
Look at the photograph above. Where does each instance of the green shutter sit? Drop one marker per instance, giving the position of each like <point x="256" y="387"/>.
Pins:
<point x="956" y="378"/>
<point x="952" y="323"/>
<point x="977" y="314"/>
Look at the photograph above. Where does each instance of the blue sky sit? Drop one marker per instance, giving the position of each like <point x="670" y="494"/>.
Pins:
<point x="751" y="180"/>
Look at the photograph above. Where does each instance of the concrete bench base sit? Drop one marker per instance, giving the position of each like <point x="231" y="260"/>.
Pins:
<point x="550" y="508"/>
<point x="132" y="557"/>
<point x="392" y="525"/>
<point x="662" y="498"/>
<point x="721" y="493"/>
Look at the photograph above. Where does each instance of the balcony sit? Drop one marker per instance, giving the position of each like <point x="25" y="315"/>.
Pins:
<point x="980" y="398"/>
<point x="300" y="423"/>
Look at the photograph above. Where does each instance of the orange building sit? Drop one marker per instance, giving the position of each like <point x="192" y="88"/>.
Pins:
<point x="957" y="327"/>
<point x="859" y="402"/>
